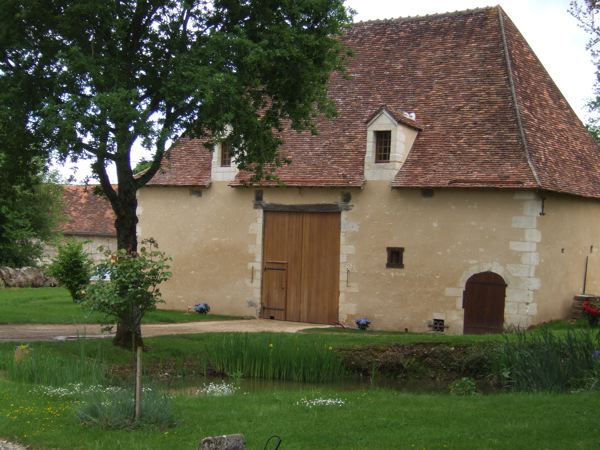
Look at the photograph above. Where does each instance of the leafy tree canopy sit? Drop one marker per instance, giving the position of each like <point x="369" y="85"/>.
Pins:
<point x="587" y="12"/>
<point x="107" y="74"/>
<point x="92" y="77"/>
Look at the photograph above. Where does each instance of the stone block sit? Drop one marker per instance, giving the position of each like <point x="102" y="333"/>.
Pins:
<point x="453" y="292"/>
<point x="532" y="309"/>
<point x="348" y="249"/>
<point x="519" y="295"/>
<point x="532" y="259"/>
<point x="532" y="235"/>
<point x="226" y="442"/>
<point x="532" y="207"/>
<point x="524" y="222"/>
<point x="519" y="270"/>
<point x="524" y="195"/>
<point x="522" y="309"/>
<point x="255" y="228"/>
<point x="349" y="226"/>
<point x="520" y="246"/>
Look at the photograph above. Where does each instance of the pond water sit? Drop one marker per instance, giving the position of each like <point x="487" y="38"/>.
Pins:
<point x="195" y="385"/>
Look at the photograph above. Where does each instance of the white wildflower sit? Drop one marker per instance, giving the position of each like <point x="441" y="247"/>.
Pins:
<point x="218" y="389"/>
<point x="321" y="402"/>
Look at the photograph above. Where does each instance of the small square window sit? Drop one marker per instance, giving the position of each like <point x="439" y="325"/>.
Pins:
<point x="395" y="258"/>
<point x="383" y="146"/>
<point x="225" y="154"/>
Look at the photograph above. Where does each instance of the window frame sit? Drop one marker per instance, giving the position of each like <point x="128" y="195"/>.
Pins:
<point x="391" y="263"/>
<point x="225" y="157"/>
<point x="383" y="138"/>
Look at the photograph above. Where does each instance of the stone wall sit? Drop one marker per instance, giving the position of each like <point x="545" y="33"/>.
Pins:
<point x="538" y="245"/>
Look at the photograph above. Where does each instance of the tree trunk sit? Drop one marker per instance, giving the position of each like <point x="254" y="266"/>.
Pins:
<point x="129" y="333"/>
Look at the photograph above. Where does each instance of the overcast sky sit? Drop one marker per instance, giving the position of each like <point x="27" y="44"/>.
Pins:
<point x="547" y="26"/>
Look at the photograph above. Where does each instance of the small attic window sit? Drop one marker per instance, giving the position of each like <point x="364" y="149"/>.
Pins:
<point x="225" y="154"/>
<point x="383" y="146"/>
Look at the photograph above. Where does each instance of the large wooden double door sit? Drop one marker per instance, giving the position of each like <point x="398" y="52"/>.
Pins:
<point x="301" y="266"/>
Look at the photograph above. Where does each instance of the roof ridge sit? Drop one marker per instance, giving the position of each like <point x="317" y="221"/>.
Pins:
<point x="429" y="16"/>
<point x="513" y="93"/>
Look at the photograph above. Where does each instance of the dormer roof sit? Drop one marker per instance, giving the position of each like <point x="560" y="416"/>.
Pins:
<point x="399" y="117"/>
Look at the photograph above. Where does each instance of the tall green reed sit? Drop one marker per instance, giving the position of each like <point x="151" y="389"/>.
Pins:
<point x="550" y="361"/>
<point x="275" y="357"/>
<point x="53" y="369"/>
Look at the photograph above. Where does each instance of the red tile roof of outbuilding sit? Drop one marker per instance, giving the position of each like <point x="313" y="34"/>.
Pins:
<point x="87" y="213"/>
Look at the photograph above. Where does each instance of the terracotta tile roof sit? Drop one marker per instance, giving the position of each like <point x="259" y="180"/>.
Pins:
<point x="187" y="163"/>
<point x="563" y="155"/>
<point x="87" y="214"/>
<point x="489" y="114"/>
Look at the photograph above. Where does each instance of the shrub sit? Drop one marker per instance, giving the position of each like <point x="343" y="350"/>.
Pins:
<point x="115" y="410"/>
<point x="127" y="285"/>
<point x="548" y="361"/>
<point x="72" y="267"/>
<point x="463" y="386"/>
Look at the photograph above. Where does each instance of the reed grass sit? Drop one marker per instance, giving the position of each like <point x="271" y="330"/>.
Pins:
<point x="550" y="361"/>
<point x="275" y="357"/>
<point x="51" y="369"/>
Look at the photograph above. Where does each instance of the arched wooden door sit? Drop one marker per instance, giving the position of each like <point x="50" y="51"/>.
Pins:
<point x="483" y="302"/>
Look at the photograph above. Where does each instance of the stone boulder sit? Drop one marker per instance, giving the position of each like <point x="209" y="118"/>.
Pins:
<point x="25" y="277"/>
<point x="226" y="442"/>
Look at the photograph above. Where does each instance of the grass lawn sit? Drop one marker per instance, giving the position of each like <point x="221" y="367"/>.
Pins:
<point x="54" y="305"/>
<point x="371" y="419"/>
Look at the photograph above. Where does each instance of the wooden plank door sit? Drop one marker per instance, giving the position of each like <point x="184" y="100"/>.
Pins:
<point x="483" y="302"/>
<point x="275" y="286"/>
<point x="320" y="267"/>
<point x="282" y="247"/>
<point x="301" y="252"/>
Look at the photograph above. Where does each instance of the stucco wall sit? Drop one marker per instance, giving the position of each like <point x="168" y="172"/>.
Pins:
<point x="571" y="233"/>
<point x="92" y="245"/>
<point x="215" y="240"/>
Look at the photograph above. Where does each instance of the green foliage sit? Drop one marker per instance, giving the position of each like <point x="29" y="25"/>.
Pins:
<point x="463" y="386"/>
<point x="128" y="283"/>
<point x="72" y="267"/>
<point x="142" y="165"/>
<point x="50" y="369"/>
<point x="91" y="78"/>
<point x="29" y="214"/>
<point x="113" y="409"/>
<point x="275" y="357"/>
<point x="594" y="130"/>
<point x="549" y="361"/>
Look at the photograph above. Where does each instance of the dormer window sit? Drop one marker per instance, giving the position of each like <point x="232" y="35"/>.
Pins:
<point x="390" y="137"/>
<point x="383" y="146"/>
<point x="225" y="154"/>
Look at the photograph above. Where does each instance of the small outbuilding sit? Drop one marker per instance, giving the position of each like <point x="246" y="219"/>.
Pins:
<point x="88" y="218"/>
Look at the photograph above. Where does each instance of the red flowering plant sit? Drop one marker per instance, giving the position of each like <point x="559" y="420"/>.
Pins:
<point x="591" y="309"/>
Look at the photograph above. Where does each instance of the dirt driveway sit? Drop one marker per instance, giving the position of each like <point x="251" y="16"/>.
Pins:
<point x="36" y="332"/>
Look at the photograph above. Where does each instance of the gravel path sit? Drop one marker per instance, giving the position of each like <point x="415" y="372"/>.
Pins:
<point x="37" y="332"/>
<point x="5" y="445"/>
